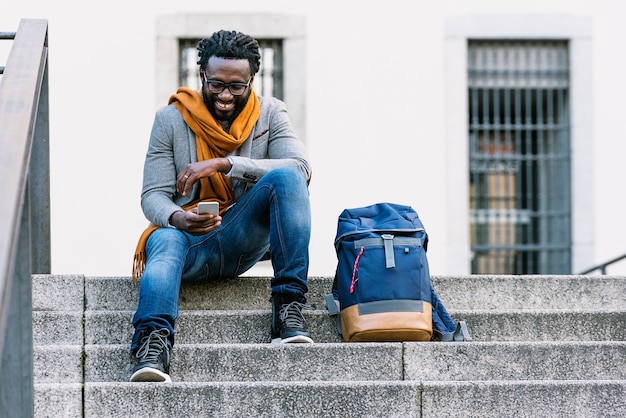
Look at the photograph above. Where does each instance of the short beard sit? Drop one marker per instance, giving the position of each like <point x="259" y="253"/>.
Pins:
<point x="238" y="107"/>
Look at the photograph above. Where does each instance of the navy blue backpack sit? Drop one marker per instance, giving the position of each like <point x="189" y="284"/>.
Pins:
<point x="382" y="288"/>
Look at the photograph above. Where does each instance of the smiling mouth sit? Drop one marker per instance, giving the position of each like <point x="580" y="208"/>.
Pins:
<point x="224" y="106"/>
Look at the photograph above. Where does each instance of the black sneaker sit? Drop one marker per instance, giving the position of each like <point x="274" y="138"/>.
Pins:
<point x="153" y="358"/>
<point x="288" y="323"/>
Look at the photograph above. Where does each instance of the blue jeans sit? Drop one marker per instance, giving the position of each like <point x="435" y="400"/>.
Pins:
<point x="275" y="214"/>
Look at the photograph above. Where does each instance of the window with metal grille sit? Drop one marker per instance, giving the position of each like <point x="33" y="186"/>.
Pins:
<point x="519" y="154"/>
<point x="267" y="82"/>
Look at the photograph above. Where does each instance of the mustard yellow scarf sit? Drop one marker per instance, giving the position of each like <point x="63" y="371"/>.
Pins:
<point x="211" y="142"/>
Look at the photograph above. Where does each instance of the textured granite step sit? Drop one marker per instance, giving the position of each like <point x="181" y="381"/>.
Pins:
<point x="549" y="346"/>
<point x="251" y="327"/>
<point x="485" y="399"/>
<point x="75" y="292"/>
<point x="354" y="361"/>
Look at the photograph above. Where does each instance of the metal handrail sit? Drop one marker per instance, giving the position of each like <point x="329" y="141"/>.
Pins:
<point x="24" y="207"/>
<point x="602" y="267"/>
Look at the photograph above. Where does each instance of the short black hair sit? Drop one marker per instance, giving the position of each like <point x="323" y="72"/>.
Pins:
<point x="230" y="45"/>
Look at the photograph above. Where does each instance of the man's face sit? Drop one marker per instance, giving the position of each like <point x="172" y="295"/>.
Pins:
<point x="224" y="105"/>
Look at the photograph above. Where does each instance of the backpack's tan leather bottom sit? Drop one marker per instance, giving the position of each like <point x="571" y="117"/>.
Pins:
<point x="386" y="326"/>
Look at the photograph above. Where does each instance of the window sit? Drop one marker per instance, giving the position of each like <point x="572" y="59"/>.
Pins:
<point x="520" y="208"/>
<point x="515" y="174"/>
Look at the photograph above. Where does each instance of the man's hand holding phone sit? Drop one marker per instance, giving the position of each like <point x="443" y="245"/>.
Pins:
<point x="199" y="220"/>
<point x="208" y="207"/>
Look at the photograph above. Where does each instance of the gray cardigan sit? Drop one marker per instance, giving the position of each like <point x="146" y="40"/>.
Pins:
<point x="272" y="144"/>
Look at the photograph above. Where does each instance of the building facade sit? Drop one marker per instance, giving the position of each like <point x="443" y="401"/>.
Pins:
<point x="499" y="123"/>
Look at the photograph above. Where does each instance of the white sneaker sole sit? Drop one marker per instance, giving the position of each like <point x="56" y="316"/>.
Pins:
<point x="149" y="374"/>
<point x="295" y="339"/>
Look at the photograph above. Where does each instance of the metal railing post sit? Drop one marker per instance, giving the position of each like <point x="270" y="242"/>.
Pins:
<point x="16" y="371"/>
<point x="39" y="185"/>
<point x="24" y="208"/>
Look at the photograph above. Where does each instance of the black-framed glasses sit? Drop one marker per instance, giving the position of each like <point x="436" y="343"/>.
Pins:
<point x="236" y="89"/>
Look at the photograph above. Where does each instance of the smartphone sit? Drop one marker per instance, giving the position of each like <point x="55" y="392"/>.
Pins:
<point x="209" y="207"/>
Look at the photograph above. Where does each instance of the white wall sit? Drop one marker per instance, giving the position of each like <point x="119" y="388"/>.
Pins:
<point x="376" y="122"/>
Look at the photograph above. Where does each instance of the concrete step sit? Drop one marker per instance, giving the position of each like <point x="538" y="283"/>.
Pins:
<point x="355" y="361"/>
<point x="493" y="399"/>
<point x="359" y="399"/>
<point x="75" y="292"/>
<point x="252" y="327"/>
<point x="58" y="364"/>
<point x="549" y="346"/>
<point x="70" y="309"/>
<point x="349" y="362"/>
<point x="258" y="362"/>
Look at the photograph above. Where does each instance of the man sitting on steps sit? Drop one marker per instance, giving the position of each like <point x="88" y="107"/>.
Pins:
<point x="228" y="145"/>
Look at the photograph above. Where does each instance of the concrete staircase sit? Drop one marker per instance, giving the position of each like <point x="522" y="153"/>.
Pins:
<point x="544" y="346"/>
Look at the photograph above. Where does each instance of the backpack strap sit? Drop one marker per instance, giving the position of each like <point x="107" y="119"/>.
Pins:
<point x="390" y="261"/>
<point x="332" y="304"/>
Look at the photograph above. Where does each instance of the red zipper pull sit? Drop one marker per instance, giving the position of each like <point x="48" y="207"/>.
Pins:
<point x="355" y="270"/>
